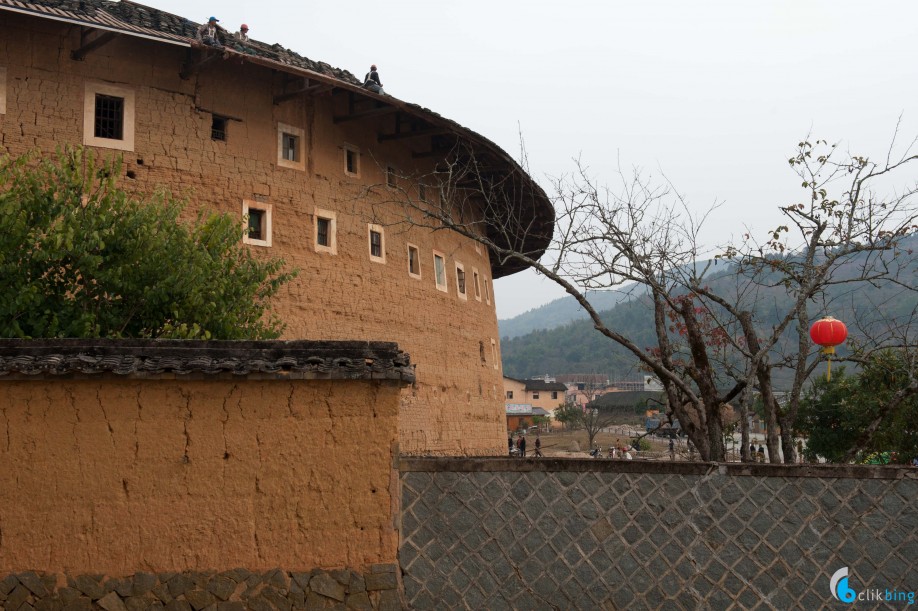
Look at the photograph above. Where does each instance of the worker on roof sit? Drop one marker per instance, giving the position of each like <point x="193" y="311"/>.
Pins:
<point x="371" y="80"/>
<point x="207" y="34"/>
<point x="243" y="34"/>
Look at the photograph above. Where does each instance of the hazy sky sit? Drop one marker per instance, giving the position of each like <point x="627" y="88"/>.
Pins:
<point x="714" y="94"/>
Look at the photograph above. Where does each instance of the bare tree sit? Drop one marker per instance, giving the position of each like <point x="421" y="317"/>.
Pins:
<point x="710" y="344"/>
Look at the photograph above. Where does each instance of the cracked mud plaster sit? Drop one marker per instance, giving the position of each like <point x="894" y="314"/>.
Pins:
<point x="119" y="475"/>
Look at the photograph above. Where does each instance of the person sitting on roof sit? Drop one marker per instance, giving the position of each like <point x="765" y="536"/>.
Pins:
<point x="371" y="80"/>
<point x="243" y="34"/>
<point x="207" y="34"/>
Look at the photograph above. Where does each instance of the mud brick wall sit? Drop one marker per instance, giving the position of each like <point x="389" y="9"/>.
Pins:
<point x="456" y="407"/>
<point x="111" y="476"/>
<point x="235" y="590"/>
<point x="567" y="534"/>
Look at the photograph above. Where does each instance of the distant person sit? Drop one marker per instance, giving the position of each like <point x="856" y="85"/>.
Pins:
<point x="243" y="34"/>
<point x="760" y="455"/>
<point x="538" y="446"/>
<point x="523" y="446"/>
<point x="207" y="34"/>
<point x="672" y="449"/>
<point x="371" y="81"/>
<point x="752" y="452"/>
<point x="510" y="444"/>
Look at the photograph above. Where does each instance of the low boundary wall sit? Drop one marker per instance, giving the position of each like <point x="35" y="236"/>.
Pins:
<point x="584" y="534"/>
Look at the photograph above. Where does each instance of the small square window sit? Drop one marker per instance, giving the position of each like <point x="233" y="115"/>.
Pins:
<point x="108" y="116"/>
<point x="351" y="160"/>
<point x="460" y="280"/>
<point x="290" y="147"/>
<point x="440" y="271"/>
<point x="258" y="223"/>
<point x="509" y="394"/>
<point x="109" y="122"/>
<point x="477" y="281"/>
<point x="377" y="245"/>
<point x="554" y="394"/>
<point x="414" y="261"/>
<point x="391" y="177"/>
<point x="325" y="229"/>
<point x="535" y="395"/>
<point x="218" y="127"/>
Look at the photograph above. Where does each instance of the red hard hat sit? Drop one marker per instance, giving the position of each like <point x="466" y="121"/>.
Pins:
<point x="243" y="27"/>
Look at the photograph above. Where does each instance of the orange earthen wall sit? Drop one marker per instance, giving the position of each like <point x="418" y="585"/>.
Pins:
<point x="116" y="476"/>
<point x="456" y="407"/>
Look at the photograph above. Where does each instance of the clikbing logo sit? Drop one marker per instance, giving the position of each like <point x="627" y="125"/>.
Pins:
<point x="842" y="591"/>
<point x="839" y="587"/>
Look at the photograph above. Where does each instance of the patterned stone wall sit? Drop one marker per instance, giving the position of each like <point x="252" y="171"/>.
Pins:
<point x="562" y="534"/>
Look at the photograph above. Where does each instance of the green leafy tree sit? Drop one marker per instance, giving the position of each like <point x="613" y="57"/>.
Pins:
<point x="80" y="257"/>
<point x="881" y="399"/>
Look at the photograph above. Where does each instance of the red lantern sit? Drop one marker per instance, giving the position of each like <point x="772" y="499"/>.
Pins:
<point x="828" y="333"/>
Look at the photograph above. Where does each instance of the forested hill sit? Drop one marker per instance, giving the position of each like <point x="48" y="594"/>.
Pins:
<point x="559" y="312"/>
<point x="576" y="347"/>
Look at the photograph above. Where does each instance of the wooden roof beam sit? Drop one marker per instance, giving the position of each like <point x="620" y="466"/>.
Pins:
<point x="191" y="67"/>
<point x="363" y="114"/>
<point x="430" y="131"/>
<point x="308" y="89"/>
<point x="88" y="46"/>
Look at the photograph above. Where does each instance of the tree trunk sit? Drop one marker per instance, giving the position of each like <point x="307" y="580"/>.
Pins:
<point x="787" y="441"/>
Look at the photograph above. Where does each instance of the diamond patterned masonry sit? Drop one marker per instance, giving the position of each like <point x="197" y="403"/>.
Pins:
<point x="237" y="590"/>
<point x="562" y="534"/>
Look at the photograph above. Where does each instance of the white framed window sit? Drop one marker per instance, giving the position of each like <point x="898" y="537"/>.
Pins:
<point x="509" y="394"/>
<point x="414" y="261"/>
<point x="487" y="291"/>
<point x="476" y="281"/>
<point x="535" y="395"/>
<point x="494" y="353"/>
<point x="290" y="142"/>
<point x="554" y="394"/>
<point x="325" y="236"/>
<point x="351" y="160"/>
<point x="258" y="223"/>
<point x="440" y="271"/>
<point x="2" y="90"/>
<point x="391" y="177"/>
<point x="377" y="243"/>
<point x="460" y="281"/>
<point x="108" y="116"/>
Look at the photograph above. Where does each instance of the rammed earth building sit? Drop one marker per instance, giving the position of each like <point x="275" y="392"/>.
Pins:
<point x="316" y="163"/>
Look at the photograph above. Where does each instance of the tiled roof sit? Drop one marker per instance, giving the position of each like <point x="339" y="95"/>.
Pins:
<point x="42" y="358"/>
<point x="540" y="384"/>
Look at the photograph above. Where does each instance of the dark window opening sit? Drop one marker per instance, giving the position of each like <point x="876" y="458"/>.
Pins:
<point x="256" y="224"/>
<point x="509" y="394"/>
<point x="109" y="117"/>
<point x="375" y="244"/>
<point x="291" y="147"/>
<point x="414" y="266"/>
<point x="322" y="232"/>
<point x="390" y="177"/>
<point x="218" y="126"/>
<point x="535" y="395"/>
<point x="481" y="351"/>
<point x="350" y="159"/>
<point x="422" y="192"/>
<point x="554" y="394"/>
